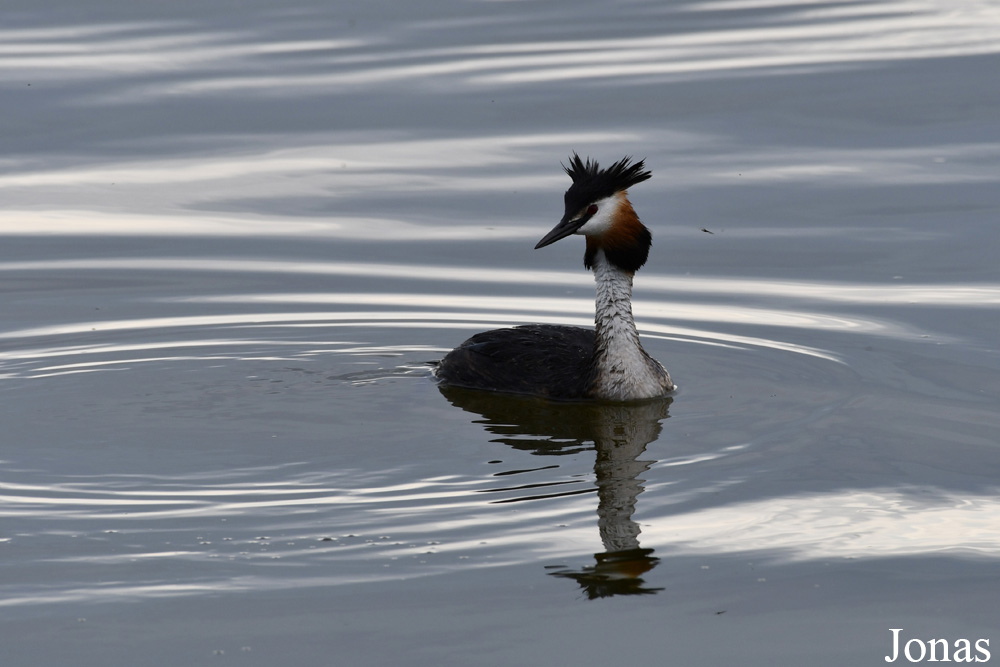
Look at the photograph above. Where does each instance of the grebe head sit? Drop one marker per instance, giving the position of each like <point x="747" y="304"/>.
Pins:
<point x="597" y="207"/>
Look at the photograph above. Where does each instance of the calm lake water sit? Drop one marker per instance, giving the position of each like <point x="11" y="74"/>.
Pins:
<point x="233" y="237"/>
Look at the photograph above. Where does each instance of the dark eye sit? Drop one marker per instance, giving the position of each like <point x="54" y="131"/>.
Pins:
<point x="592" y="209"/>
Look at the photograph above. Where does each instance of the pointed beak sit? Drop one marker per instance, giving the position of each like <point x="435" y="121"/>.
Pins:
<point x="566" y="227"/>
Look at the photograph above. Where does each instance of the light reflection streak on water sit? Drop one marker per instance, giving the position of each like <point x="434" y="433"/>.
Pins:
<point x="852" y="523"/>
<point x="471" y="163"/>
<point x="118" y="559"/>
<point x="366" y="163"/>
<point x="802" y="37"/>
<point x="158" y="195"/>
<point x="868" y="523"/>
<point x="797" y="36"/>
<point x="493" y="311"/>
<point x="110" y="348"/>
<point x="954" y="294"/>
<point x="90" y="366"/>
<point x="525" y="309"/>
<point x="42" y="501"/>
<point x="522" y="305"/>
<point x="104" y="54"/>
<point x="849" y="523"/>
<point x="805" y="37"/>
<point x="513" y="309"/>
<point x="113" y="592"/>
<point x="89" y="223"/>
<point x="443" y="320"/>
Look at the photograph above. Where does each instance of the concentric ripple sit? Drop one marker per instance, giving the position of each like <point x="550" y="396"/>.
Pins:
<point x="285" y="438"/>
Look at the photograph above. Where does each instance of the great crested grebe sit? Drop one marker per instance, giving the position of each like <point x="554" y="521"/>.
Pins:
<point x="606" y="363"/>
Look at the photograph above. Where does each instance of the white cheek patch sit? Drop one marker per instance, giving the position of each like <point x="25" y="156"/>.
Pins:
<point x="602" y="220"/>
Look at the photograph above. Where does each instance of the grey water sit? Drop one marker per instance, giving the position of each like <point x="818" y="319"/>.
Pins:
<point x="234" y="235"/>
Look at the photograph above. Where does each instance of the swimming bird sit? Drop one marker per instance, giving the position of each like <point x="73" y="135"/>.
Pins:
<point x="563" y="362"/>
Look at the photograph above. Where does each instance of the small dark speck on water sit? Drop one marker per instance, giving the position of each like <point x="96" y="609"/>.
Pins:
<point x="706" y="231"/>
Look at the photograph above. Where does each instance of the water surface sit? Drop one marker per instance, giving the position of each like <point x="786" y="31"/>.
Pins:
<point x="233" y="240"/>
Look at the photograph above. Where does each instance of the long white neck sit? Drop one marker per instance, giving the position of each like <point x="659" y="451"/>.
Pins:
<point x="623" y="369"/>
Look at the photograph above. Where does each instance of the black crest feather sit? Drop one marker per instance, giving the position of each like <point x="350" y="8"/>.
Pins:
<point x="591" y="183"/>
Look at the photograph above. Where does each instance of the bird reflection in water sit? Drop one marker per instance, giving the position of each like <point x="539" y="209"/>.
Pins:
<point x="619" y="433"/>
